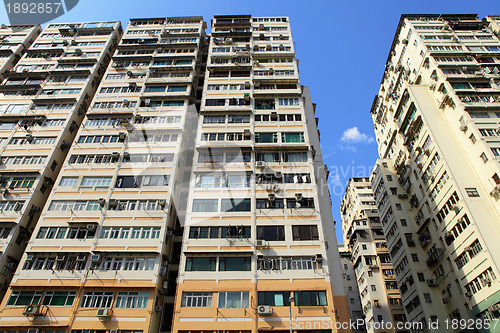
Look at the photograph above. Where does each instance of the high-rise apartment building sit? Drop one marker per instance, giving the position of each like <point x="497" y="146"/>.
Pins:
<point x="171" y="216"/>
<point x="374" y="274"/>
<point x="14" y="41"/>
<point x="42" y="102"/>
<point x="103" y="258"/>
<point x="351" y="288"/>
<point x="437" y="181"/>
<point x="259" y="245"/>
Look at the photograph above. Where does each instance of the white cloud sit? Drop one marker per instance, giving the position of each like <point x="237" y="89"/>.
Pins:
<point x="353" y="135"/>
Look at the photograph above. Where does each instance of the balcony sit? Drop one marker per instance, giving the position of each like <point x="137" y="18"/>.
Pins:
<point x="435" y="256"/>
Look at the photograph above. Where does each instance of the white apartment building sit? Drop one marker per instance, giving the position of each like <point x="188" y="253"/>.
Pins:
<point x="351" y="287"/>
<point x="374" y="273"/>
<point x="103" y="255"/>
<point x="42" y="102"/>
<point x="437" y="181"/>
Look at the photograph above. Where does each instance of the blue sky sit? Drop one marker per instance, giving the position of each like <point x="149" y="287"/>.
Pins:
<point x="342" y="47"/>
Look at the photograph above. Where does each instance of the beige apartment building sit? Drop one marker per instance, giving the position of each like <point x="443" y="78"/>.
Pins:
<point x="374" y="273"/>
<point x="171" y="215"/>
<point x="259" y="246"/>
<point x="42" y="102"/>
<point x="105" y="253"/>
<point x="14" y="41"/>
<point x="351" y="288"/>
<point x="437" y="182"/>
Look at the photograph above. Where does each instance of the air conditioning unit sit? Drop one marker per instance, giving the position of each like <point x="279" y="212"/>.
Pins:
<point x="115" y="154"/>
<point x="494" y="307"/>
<point x="318" y="257"/>
<point x="463" y="128"/>
<point x="103" y="313"/>
<point x="113" y="203"/>
<point x="30" y="257"/>
<point x="91" y="227"/>
<point x="33" y="310"/>
<point x="277" y="174"/>
<point x="456" y="209"/>
<point x="260" y="164"/>
<point x="95" y="258"/>
<point x="404" y="41"/>
<point x="162" y="202"/>
<point x="403" y="196"/>
<point x="468" y="294"/>
<point x="264" y="310"/>
<point x="113" y="331"/>
<point x="298" y="197"/>
<point x="487" y="281"/>
<point x="432" y="283"/>
<point x="272" y="196"/>
<point x="260" y="243"/>
<point x="60" y="257"/>
<point x="101" y="201"/>
<point x="445" y="300"/>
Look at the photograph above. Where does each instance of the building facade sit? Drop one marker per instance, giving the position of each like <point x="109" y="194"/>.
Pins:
<point x="259" y="246"/>
<point x="42" y="100"/>
<point x="436" y="183"/>
<point x="14" y="41"/>
<point x="351" y="288"/>
<point x="171" y="216"/>
<point x="102" y="255"/>
<point x="374" y="273"/>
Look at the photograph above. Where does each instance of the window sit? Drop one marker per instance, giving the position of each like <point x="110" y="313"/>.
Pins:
<point x="96" y="181"/>
<point x="59" y="298"/>
<point x="271" y="233"/>
<point x="68" y="181"/>
<point x="21" y="298"/>
<point x="266" y="137"/>
<point x="274" y="298"/>
<point x="472" y="192"/>
<point x="427" y="298"/>
<point x="205" y="205"/>
<point x="305" y="232"/>
<point x="310" y="298"/>
<point x="97" y="299"/>
<point x="200" y="264"/>
<point x="292" y="137"/>
<point x="234" y="263"/>
<point x="219" y="232"/>
<point x="236" y="205"/>
<point x="194" y="299"/>
<point x="132" y="300"/>
<point x="234" y="299"/>
<point x="288" y="101"/>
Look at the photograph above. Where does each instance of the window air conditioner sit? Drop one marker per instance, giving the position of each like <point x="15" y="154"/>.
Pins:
<point x="260" y="243"/>
<point x="264" y="310"/>
<point x="95" y="258"/>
